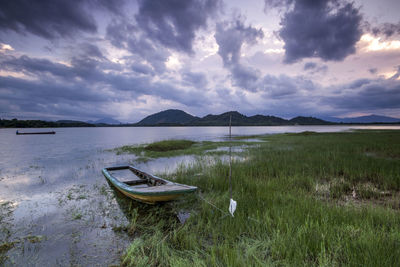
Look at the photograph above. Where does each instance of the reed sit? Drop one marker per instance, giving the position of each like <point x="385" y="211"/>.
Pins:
<point x="173" y="148"/>
<point x="308" y="199"/>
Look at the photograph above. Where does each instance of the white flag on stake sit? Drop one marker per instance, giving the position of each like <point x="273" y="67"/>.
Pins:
<point x="232" y="206"/>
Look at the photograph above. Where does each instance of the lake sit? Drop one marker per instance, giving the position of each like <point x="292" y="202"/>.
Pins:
<point x="56" y="207"/>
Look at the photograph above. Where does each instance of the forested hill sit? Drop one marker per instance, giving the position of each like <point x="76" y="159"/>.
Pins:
<point x="14" y="123"/>
<point x="168" y="117"/>
<point x="179" y="117"/>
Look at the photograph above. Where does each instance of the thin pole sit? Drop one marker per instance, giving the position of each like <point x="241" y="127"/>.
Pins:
<point x="230" y="156"/>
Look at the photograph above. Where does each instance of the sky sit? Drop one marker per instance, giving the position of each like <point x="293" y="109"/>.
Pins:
<point x="121" y="59"/>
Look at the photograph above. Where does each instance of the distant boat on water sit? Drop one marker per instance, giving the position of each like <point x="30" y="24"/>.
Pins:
<point x="19" y="133"/>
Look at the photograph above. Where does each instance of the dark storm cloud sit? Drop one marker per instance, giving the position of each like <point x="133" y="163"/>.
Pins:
<point x="48" y="91"/>
<point x="230" y="38"/>
<point x="125" y="35"/>
<point x="114" y="6"/>
<point x="160" y="25"/>
<point x="195" y="79"/>
<point x="81" y="84"/>
<point x="51" y="19"/>
<point x="387" y="29"/>
<point x="189" y="98"/>
<point x="91" y="50"/>
<point x="173" y="23"/>
<point x="245" y="77"/>
<point x="396" y="75"/>
<point x="325" y="29"/>
<point x="357" y="83"/>
<point x="142" y="69"/>
<point x="312" y="68"/>
<point x="25" y="64"/>
<point x="277" y="87"/>
<point x="373" y="70"/>
<point x="367" y="94"/>
<point x="48" y="18"/>
<point x="84" y="67"/>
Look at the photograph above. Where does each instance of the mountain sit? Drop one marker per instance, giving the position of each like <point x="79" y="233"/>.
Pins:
<point x="167" y="117"/>
<point x="72" y="123"/>
<point x="69" y="121"/>
<point x="364" y="119"/>
<point x="106" y="121"/>
<point x="270" y="120"/>
<point x="239" y="119"/>
<point x="308" y="121"/>
<point x="174" y="117"/>
<point x="222" y="119"/>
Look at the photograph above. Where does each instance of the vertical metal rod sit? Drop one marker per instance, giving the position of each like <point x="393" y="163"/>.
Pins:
<point x="230" y="156"/>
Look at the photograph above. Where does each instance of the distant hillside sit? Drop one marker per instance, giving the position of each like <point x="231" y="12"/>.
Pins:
<point x="168" y="117"/>
<point x="110" y="121"/>
<point x="308" y="121"/>
<point x="239" y="119"/>
<point x="178" y="117"/>
<point x="364" y="119"/>
<point x="14" y="123"/>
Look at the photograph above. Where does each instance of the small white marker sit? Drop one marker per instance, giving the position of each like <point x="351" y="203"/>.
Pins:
<point x="232" y="206"/>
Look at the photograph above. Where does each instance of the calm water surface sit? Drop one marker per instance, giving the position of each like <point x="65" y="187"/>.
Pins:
<point x="57" y="207"/>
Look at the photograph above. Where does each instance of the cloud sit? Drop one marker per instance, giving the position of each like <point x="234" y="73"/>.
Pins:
<point x="310" y="66"/>
<point x="91" y="50"/>
<point x="126" y="35"/>
<point x="373" y="70"/>
<point x="51" y="19"/>
<point x="245" y="77"/>
<point x="387" y="29"/>
<point x="230" y="38"/>
<point x="196" y="79"/>
<point x="48" y="18"/>
<point x="357" y="83"/>
<point x="27" y="65"/>
<point x="365" y="95"/>
<point x="313" y="68"/>
<point x="84" y="84"/>
<point x="325" y="29"/>
<point x="142" y="69"/>
<point x="173" y="23"/>
<point x="284" y="86"/>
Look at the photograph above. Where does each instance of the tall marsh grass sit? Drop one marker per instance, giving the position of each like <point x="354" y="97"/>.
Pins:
<point x="326" y="199"/>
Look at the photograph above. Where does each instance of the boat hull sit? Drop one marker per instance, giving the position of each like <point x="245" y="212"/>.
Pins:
<point x="149" y="199"/>
<point x="18" y="133"/>
<point x="166" y="191"/>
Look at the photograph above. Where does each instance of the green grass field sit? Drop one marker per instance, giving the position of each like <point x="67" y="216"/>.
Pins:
<point x="308" y="199"/>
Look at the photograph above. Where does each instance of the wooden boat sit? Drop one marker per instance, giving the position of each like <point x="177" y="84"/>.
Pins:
<point x="19" y="133"/>
<point x="145" y="187"/>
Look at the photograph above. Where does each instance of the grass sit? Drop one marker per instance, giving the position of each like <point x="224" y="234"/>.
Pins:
<point x="169" y="145"/>
<point x="309" y="199"/>
<point x="76" y="215"/>
<point x="173" y="148"/>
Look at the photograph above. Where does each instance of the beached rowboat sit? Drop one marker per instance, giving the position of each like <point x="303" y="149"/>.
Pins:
<point x="146" y="187"/>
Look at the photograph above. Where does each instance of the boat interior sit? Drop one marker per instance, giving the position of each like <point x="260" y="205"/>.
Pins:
<point x="124" y="175"/>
